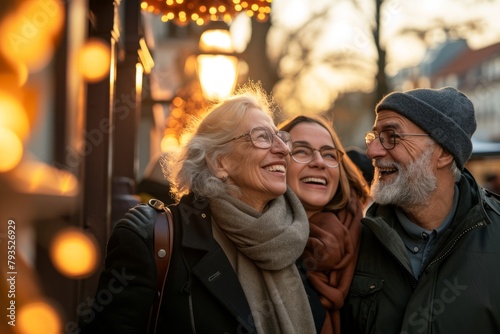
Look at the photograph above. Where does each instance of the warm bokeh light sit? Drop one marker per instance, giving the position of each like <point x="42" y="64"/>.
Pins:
<point x="94" y="60"/>
<point x="216" y="40"/>
<point x="202" y="11"/>
<point x="74" y="253"/>
<point x="11" y="150"/>
<point x="48" y="15"/>
<point x="13" y="115"/>
<point x="61" y="182"/>
<point x="169" y="144"/>
<point x="241" y="32"/>
<point x="217" y="75"/>
<point x="30" y="32"/>
<point x="147" y="60"/>
<point x="139" y="74"/>
<point x="36" y="177"/>
<point x="38" y="317"/>
<point x="12" y="75"/>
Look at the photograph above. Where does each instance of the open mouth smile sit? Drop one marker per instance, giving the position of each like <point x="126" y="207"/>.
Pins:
<point x="276" y="168"/>
<point x="384" y="171"/>
<point x="314" y="180"/>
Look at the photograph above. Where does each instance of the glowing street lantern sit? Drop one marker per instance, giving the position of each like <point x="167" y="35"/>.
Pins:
<point x="217" y="65"/>
<point x="217" y="75"/>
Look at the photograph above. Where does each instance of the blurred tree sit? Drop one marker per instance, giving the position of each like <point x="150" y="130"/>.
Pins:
<point x="336" y="47"/>
<point x="381" y="83"/>
<point x="321" y="53"/>
<point x="255" y="55"/>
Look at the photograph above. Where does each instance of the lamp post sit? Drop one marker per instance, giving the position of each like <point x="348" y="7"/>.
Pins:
<point x="217" y="62"/>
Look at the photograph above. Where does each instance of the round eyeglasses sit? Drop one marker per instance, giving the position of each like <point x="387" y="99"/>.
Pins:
<point x="305" y="154"/>
<point x="388" y="138"/>
<point x="262" y="137"/>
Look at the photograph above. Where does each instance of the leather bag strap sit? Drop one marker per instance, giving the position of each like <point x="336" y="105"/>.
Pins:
<point x="163" y="243"/>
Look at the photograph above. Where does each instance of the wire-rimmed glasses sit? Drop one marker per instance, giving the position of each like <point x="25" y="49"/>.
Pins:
<point x="262" y="137"/>
<point x="388" y="138"/>
<point x="304" y="154"/>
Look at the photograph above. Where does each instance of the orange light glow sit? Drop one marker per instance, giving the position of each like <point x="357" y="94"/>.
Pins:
<point x="60" y="181"/>
<point x="74" y="253"/>
<point x="217" y="75"/>
<point x="16" y="78"/>
<point x="216" y="40"/>
<point x="94" y="60"/>
<point x="11" y="150"/>
<point x="177" y="112"/>
<point x="203" y="11"/>
<point x="47" y="15"/>
<point x="169" y="144"/>
<point x="36" y="177"/>
<point x="67" y="183"/>
<point x="178" y="102"/>
<point x="13" y="115"/>
<point x="38" y="318"/>
<point x="30" y="32"/>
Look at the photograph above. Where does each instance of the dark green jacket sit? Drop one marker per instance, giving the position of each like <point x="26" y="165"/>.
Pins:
<point x="459" y="289"/>
<point x="202" y="291"/>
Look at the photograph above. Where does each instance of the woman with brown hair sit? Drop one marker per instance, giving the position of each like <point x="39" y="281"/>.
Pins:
<point x="333" y="192"/>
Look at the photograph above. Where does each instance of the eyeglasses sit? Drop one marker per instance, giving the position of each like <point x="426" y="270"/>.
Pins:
<point x="388" y="138"/>
<point x="305" y="154"/>
<point x="262" y="137"/>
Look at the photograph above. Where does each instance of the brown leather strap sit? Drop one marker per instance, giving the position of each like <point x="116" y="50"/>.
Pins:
<point x="164" y="240"/>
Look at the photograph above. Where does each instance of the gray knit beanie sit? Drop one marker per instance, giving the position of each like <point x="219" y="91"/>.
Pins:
<point x="446" y="114"/>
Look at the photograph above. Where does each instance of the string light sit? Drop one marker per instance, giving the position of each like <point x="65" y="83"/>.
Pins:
<point x="181" y="12"/>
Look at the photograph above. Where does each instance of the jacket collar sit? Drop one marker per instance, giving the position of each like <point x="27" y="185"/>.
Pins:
<point x="196" y="223"/>
<point x="470" y="196"/>
<point x="382" y="218"/>
<point x="211" y="265"/>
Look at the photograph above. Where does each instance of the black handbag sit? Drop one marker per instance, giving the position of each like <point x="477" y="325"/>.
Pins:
<point x="163" y="242"/>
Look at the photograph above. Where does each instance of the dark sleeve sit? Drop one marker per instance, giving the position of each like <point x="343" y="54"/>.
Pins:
<point x="127" y="285"/>
<point x="317" y="309"/>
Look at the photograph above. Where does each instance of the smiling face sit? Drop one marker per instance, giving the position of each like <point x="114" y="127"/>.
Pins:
<point x="258" y="173"/>
<point x="404" y="175"/>
<point x="314" y="183"/>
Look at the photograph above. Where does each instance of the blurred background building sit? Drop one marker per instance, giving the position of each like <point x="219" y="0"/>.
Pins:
<point x="94" y="92"/>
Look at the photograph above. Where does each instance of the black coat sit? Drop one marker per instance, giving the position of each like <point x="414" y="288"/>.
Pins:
<point x="202" y="292"/>
<point x="458" y="290"/>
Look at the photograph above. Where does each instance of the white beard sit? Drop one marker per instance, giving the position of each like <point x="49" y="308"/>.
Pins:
<point x="412" y="187"/>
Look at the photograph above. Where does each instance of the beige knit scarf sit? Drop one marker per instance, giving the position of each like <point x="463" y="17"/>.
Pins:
<point x="262" y="248"/>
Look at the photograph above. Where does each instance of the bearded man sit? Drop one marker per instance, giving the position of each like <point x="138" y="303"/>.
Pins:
<point x="429" y="258"/>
